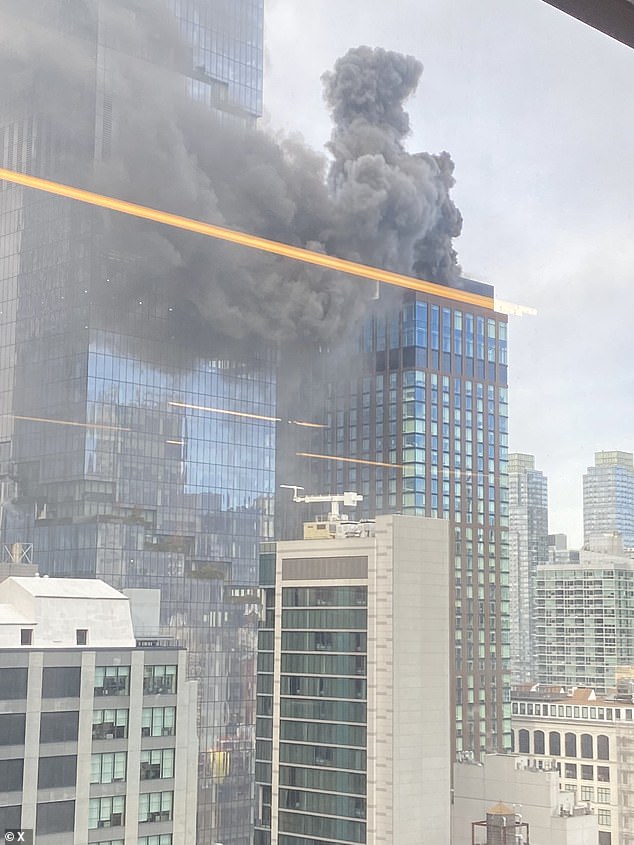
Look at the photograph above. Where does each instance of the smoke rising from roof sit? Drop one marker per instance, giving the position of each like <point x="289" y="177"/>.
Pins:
<point x="151" y="142"/>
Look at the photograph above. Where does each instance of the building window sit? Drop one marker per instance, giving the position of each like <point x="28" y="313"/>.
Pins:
<point x="554" y="742"/>
<point x="10" y="817"/>
<point x="539" y="746"/>
<point x="106" y="812"/>
<point x="604" y="818"/>
<point x="13" y="684"/>
<point x="61" y="681"/>
<point x="57" y="771"/>
<point x="570" y="770"/>
<point x="11" y="775"/>
<point x="112" y="680"/>
<point x="603" y="774"/>
<point x="605" y="837"/>
<point x="524" y="742"/>
<point x="587" y="793"/>
<point x="603" y="747"/>
<point x="157" y="764"/>
<point x="587" y="773"/>
<point x="26" y="636"/>
<point x="155" y="806"/>
<point x="160" y="839"/>
<point x="12" y="728"/>
<point x="603" y="795"/>
<point x="106" y="768"/>
<point x="586" y="747"/>
<point x="110" y="724"/>
<point x="59" y="727"/>
<point x="82" y="636"/>
<point x="159" y="679"/>
<point x="55" y="817"/>
<point x="571" y="745"/>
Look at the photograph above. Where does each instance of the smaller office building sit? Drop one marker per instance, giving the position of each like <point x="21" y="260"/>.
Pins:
<point x="589" y="740"/>
<point x="534" y="809"/>
<point x="97" y="730"/>
<point x="353" y="729"/>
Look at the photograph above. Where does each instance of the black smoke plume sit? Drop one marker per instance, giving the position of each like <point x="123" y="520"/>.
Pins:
<point x="150" y="142"/>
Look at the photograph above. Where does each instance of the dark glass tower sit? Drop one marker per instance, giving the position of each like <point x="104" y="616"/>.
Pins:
<point x="126" y="453"/>
<point x="415" y="418"/>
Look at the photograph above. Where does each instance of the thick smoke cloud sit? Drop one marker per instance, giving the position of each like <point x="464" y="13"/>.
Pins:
<point x="156" y="145"/>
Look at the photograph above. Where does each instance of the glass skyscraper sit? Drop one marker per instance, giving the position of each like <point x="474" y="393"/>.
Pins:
<point x="528" y="548"/>
<point x="608" y="496"/>
<point x="126" y="453"/>
<point x="415" y="418"/>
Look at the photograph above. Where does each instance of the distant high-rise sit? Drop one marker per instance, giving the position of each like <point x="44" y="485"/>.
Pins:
<point x="584" y="617"/>
<point x="354" y="727"/>
<point x="608" y="496"/>
<point x="114" y="460"/>
<point x="528" y="547"/>
<point x="415" y="417"/>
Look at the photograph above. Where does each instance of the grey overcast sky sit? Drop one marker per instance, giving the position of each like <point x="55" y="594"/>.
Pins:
<point x="537" y="111"/>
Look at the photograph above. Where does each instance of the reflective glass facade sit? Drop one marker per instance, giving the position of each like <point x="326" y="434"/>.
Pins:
<point x="415" y="415"/>
<point x="125" y="453"/>
<point x="608" y="496"/>
<point x="528" y="548"/>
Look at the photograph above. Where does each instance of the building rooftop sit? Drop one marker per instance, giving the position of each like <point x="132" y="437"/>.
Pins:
<point x="68" y="588"/>
<point x="59" y="613"/>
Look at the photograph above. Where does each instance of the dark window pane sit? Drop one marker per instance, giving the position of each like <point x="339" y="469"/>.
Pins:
<point x="603" y="747"/>
<point x="13" y="683"/>
<point x="26" y="636"/>
<point x="586" y="746"/>
<point x="57" y="771"/>
<point x="61" y="681"/>
<point x="55" y="817"/>
<point x="524" y="742"/>
<point x="571" y="745"/>
<point x="10" y="817"/>
<point x="538" y="742"/>
<point x="59" y="727"/>
<point x="554" y="741"/>
<point x="11" y="775"/>
<point x="12" y="729"/>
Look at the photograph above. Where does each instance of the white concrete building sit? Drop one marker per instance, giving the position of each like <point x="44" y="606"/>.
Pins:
<point x="589" y="740"/>
<point x="354" y="737"/>
<point x="584" y="616"/>
<point x="98" y="736"/>
<point x="553" y="817"/>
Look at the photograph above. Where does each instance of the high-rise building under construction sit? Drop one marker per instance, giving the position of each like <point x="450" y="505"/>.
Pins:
<point x="113" y="462"/>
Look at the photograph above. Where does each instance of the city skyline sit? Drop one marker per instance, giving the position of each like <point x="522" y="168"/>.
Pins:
<point x="535" y="109"/>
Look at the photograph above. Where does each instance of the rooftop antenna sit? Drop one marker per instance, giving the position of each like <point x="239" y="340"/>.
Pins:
<point x="348" y="500"/>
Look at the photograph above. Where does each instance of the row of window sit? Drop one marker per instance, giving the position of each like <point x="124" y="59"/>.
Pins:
<point x="569" y="711"/>
<point x="65" y="681"/>
<point x="584" y="743"/>
<point x="63" y="726"/>
<point x="109" y="811"/>
<point x="112" y="766"/>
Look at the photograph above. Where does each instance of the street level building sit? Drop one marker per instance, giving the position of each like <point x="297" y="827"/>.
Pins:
<point x="528" y="548"/>
<point x="589" y="739"/>
<point x="584" y="617"/>
<point x="97" y="729"/>
<point x="608" y="496"/>
<point x="353" y="737"/>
